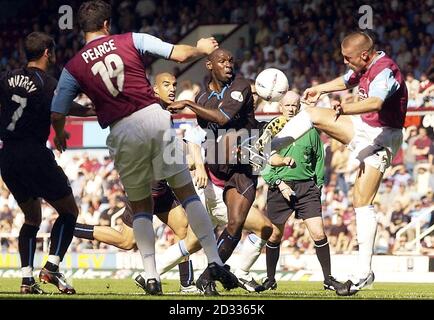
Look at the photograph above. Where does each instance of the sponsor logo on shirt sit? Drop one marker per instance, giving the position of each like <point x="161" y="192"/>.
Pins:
<point x="237" y="95"/>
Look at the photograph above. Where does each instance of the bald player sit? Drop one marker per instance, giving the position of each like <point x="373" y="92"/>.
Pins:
<point x="371" y="127"/>
<point x="165" y="88"/>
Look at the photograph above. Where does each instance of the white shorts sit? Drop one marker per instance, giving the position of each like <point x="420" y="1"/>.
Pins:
<point x="375" y="146"/>
<point x="141" y="151"/>
<point x="212" y="198"/>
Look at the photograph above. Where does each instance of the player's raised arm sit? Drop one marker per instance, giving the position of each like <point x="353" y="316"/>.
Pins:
<point x="185" y="53"/>
<point x="312" y="94"/>
<point x="381" y="87"/>
<point x="147" y="44"/>
<point x="65" y="93"/>
<point x="214" y="115"/>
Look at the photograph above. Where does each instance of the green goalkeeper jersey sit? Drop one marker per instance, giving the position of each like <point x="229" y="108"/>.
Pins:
<point x="308" y="154"/>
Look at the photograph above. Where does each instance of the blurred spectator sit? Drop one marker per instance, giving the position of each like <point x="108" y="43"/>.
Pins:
<point x="294" y="262"/>
<point x="421" y="146"/>
<point x="301" y="39"/>
<point x="338" y="235"/>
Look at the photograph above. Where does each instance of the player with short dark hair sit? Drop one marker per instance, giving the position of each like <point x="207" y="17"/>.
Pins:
<point x="227" y="104"/>
<point x="166" y="207"/>
<point x="28" y="167"/>
<point x="110" y="71"/>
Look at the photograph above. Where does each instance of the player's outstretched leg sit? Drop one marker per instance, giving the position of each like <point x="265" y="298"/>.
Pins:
<point x="258" y="151"/>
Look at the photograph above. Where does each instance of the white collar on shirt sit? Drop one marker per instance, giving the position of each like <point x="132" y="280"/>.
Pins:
<point x="98" y="37"/>
<point x="381" y="54"/>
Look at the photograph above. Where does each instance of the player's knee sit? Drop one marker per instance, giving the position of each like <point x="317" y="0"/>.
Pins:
<point x="318" y="235"/>
<point x="33" y="220"/>
<point x="362" y="201"/>
<point x="276" y="236"/>
<point x="74" y="212"/>
<point x="181" y="232"/>
<point x="235" y="225"/>
<point x="192" y="245"/>
<point x="266" y="232"/>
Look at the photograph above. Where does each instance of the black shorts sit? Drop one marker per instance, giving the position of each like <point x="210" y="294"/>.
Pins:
<point x="30" y="170"/>
<point x="238" y="176"/>
<point x="306" y="203"/>
<point x="244" y="183"/>
<point x="163" y="202"/>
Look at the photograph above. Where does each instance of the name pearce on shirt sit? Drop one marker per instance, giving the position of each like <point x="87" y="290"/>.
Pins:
<point x="98" y="51"/>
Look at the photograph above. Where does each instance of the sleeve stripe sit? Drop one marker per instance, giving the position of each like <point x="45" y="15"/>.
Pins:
<point x="171" y="51"/>
<point x="225" y="114"/>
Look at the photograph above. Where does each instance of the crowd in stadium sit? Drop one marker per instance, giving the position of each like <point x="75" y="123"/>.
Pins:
<point x="406" y="195"/>
<point x="286" y="35"/>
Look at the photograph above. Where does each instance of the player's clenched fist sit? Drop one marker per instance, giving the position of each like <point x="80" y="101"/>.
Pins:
<point x="311" y="95"/>
<point x="336" y="105"/>
<point x="207" y="45"/>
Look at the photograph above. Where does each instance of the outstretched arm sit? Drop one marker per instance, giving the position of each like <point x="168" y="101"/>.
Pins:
<point x="186" y="53"/>
<point x="212" y="115"/>
<point x="311" y="95"/>
<point x="147" y="44"/>
<point x="380" y="88"/>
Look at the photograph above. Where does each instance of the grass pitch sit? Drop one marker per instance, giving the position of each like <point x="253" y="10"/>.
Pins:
<point x="112" y="289"/>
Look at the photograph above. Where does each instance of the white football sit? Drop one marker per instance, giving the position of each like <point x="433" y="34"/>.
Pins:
<point x="271" y="84"/>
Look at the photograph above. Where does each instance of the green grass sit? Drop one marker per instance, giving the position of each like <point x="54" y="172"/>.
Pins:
<point x="113" y="289"/>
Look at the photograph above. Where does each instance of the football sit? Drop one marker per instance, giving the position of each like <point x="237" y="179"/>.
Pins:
<point x="271" y="84"/>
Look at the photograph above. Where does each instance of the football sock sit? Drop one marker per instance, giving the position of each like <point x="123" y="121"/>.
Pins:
<point x="172" y="256"/>
<point x="250" y="251"/>
<point x="145" y="239"/>
<point x="186" y="275"/>
<point x="84" y="231"/>
<point x="293" y="130"/>
<point x="61" y="234"/>
<point x="201" y="225"/>
<point x="226" y="244"/>
<point x="322" y="249"/>
<point x="366" y="225"/>
<point x="52" y="266"/>
<point x="27" y="244"/>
